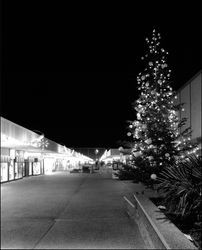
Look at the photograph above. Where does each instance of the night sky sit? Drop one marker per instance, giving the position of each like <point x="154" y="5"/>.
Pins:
<point x="70" y="70"/>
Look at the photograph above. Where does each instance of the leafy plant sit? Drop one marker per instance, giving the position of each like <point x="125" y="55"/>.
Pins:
<point x="126" y="173"/>
<point x="143" y="172"/>
<point x="181" y="186"/>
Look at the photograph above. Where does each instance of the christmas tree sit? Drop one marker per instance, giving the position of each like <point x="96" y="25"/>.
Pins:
<point x="157" y="131"/>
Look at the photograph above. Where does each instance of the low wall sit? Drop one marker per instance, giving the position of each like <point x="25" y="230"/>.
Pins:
<point x="157" y="232"/>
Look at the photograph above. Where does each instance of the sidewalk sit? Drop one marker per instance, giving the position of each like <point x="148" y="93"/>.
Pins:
<point x="75" y="211"/>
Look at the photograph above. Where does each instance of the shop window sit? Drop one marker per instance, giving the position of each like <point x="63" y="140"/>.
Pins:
<point x="11" y="170"/>
<point x="36" y="168"/>
<point x="23" y="169"/>
<point x="4" y="171"/>
<point x="16" y="170"/>
<point x="30" y="168"/>
<point x="20" y="169"/>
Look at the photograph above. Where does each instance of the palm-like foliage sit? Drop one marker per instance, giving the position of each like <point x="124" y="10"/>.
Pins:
<point x="181" y="186"/>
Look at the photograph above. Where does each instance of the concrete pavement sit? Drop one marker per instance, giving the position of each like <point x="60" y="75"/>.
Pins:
<point x="67" y="211"/>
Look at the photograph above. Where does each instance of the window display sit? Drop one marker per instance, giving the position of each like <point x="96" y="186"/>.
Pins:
<point x="16" y="171"/>
<point x="23" y="169"/>
<point x="30" y="168"/>
<point x="11" y="170"/>
<point x="48" y="165"/>
<point x="19" y="165"/>
<point x="36" y="168"/>
<point x="4" y="171"/>
<point x="42" y="166"/>
<point x="20" y="169"/>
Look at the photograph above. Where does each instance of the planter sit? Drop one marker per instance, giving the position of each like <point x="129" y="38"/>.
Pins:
<point x="157" y="232"/>
<point x="185" y="226"/>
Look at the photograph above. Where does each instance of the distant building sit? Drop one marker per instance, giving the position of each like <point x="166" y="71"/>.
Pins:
<point x="110" y="155"/>
<point x="115" y="154"/>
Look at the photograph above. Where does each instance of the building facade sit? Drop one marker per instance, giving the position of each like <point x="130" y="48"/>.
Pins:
<point x="190" y="95"/>
<point x="25" y="153"/>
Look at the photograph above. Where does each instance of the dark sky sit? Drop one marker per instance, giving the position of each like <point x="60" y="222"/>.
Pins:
<point x="70" y="70"/>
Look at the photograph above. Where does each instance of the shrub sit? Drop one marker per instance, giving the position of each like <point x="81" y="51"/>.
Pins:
<point x="181" y="186"/>
<point x="144" y="171"/>
<point x="126" y="173"/>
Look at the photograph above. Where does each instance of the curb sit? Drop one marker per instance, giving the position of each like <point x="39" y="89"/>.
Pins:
<point x="156" y="233"/>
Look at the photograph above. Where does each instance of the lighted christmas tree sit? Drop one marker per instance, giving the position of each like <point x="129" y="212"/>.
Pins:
<point x="156" y="131"/>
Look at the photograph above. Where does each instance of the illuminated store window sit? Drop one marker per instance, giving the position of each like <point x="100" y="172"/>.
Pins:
<point x="30" y="168"/>
<point x="23" y="169"/>
<point x="16" y="170"/>
<point x="11" y="170"/>
<point x="36" y="168"/>
<point x="20" y="169"/>
<point x="4" y="171"/>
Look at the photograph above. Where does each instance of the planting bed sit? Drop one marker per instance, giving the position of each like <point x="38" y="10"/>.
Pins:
<point x="188" y="227"/>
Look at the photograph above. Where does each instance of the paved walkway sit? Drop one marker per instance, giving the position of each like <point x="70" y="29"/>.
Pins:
<point x="67" y="211"/>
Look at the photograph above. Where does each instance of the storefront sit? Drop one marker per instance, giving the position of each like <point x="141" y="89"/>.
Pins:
<point x="11" y="170"/>
<point x="42" y="166"/>
<point x="33" y="163"/>
<point x="37" y="166"/>
<point x="29" y="166"/>
<point x="4" y="168"/>
<point x="12" y="165"/>
<point x="24" y="152"/>
<point x="49" y="165"/>
<point x="19" y="166"/>
<point x="61" y="165"/>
